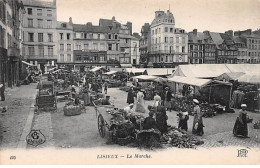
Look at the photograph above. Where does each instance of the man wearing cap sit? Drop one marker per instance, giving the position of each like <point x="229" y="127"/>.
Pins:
<point x="240" y="127"/>
<point x="2" y="92"/>
<point x="166" y="97"/>
<point x="197" y="122"/>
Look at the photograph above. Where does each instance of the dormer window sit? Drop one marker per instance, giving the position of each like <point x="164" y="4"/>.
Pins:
<point x="64" y="25"/>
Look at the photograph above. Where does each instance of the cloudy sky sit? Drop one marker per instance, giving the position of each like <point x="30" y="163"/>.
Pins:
<point x="213" y="15"/>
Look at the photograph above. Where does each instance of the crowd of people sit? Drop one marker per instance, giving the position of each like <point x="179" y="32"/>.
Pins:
<point x="157" y="117"/>
<point x="157" y="113"/>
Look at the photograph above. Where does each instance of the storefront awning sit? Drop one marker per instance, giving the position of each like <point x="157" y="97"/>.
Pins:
<point x="190" y="81"/>
<point x="27" y="63"/>
<point x="126" y="65"/>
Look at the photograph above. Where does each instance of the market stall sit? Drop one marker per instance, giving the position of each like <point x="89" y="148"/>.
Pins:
<point x="247" y="92"/>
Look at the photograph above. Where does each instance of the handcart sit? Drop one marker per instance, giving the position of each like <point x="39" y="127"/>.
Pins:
<point x="46" y="98"/>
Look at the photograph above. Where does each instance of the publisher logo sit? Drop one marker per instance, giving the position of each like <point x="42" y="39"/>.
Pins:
<point x="242" y="152"/>
<point x="35" y="138"/>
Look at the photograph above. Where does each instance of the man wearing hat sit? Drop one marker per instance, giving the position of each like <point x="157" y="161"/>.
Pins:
<point x="166" y="97"/>
<point x="130" y="96"/>
<point x="240" y="127"/>
<point x="197" y="122"/>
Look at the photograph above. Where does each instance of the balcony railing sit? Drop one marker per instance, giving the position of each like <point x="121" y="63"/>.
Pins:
<point x="167" y="52"/>
<point x="42" y="57"/>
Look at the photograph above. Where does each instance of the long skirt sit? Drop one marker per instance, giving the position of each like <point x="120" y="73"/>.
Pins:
<point x="183" y="124"/>
<point x="197" y="127"/>
<point x="240" y="129"/>
<point x="86" y="99"/>
<point x="161" y="124"/>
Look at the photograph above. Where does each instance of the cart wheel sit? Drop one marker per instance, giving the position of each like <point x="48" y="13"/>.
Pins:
<point x="101" y="126"/>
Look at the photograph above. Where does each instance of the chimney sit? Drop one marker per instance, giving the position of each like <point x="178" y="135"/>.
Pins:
<point x="113" y="18"/>
<point x="195" y="32"/>
<point x="230" y="33"/>
<point x="206" y="32"/>
<point x="89" y="24"/>
<point x="249" y="31"/>
<point x="70" y="20"/>
<point x="129" y="25"/>
<point x="54" y="2"/>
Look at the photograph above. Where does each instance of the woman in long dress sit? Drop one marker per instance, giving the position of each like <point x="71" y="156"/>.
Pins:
<point x="197" y="122"/>
<point x="140" y="107"/>
<point x="130" y="96"/>
<point x="157" y="101"/>
<point x="86" y="97"/>
<point x="240" y="127"/>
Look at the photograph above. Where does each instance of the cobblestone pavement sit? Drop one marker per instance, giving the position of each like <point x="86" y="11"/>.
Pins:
<point x="42" y="121"/>
<point x="81" y="131"/>
<point x="218" y="129"/>
<point x="18" y="101"/>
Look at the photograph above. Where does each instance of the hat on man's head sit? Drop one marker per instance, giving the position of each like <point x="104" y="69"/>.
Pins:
<point x="196" y="101"/>
<point x="243" y="105"/>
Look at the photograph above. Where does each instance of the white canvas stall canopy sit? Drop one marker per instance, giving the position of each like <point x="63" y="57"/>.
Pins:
<point x="136" y="71"/>
<point x="27" y="63"/>
<point x="208" y="71"/>
<point x="253" y="78"/>
<point x="160" y="71"/>
<point x="230" y="76"/>
<point x="110" y="73"/>
<point x="145" y="77"/>
<point x="201" y="71"/>
<point x="190" y="81"/>
<point x="95" y="69"/>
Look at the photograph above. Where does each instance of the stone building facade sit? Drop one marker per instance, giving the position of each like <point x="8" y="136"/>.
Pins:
<point x="252" y="42"/>
<point x="65" y="43"/>
<point x="169" y="45"/>
<point x="145" y="44"/>
<point x="10" y="41"/>
<point x="39" y="33"/>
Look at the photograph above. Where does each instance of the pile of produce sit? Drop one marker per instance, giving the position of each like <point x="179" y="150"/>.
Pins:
<point x="186" y="104"/>
<point x="256" y="125"/>
<point x="115" y="83"/>
<point x="125" y="88"/>
<point x="70" y="109"/>
<point x="180" y="139"/>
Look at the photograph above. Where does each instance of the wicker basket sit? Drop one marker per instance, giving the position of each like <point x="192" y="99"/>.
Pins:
<point x="72" y="110"/>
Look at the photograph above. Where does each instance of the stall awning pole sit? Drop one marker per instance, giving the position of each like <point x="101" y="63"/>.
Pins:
<point x="209" y="92"/>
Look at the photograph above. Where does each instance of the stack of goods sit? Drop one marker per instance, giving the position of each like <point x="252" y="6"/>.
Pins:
<point x="149" y="94"/>
<point x="115" y="83"/>
<point x="207" y="110"/>
<point x="256" y="125"/>
<point x="186" y="104"/>
<point x="44" y="92"/>
<point x="180" y="139"/>
<point x="125" y="88"/>
<point x="139" y="120"/>
<point x="70" y="109"/>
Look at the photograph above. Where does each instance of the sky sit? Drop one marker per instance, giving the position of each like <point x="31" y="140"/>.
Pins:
<point x="212" y="15"/>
